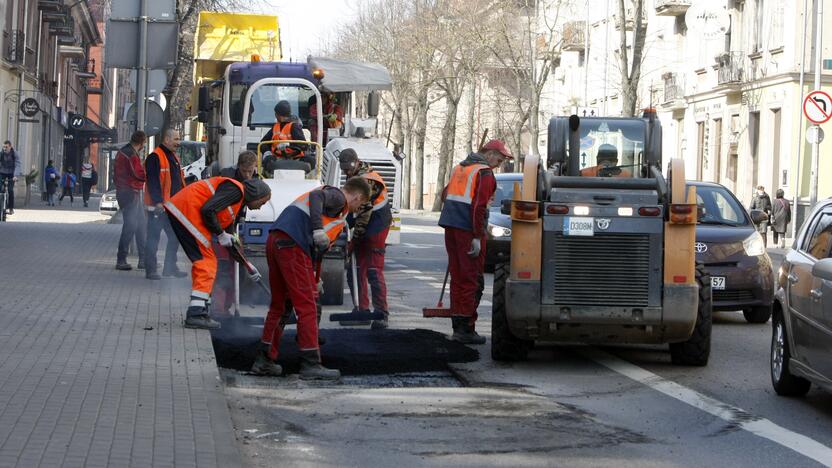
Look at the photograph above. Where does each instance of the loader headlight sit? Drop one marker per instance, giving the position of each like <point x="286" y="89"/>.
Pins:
<point x="498" y="231"/>
<point x="753" y="245"/>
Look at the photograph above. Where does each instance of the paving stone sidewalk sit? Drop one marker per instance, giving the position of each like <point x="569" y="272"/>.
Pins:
<point x="95" y="366"/>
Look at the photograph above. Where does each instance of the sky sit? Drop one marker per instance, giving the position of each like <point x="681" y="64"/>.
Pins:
<point x="307" y="25"/>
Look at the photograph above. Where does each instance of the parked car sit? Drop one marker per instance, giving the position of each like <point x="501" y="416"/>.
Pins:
<point x="801" y="338"/>
<point x="733" y="253"/>
<point x="498" y="235"/>
<point x="109" y="204"/>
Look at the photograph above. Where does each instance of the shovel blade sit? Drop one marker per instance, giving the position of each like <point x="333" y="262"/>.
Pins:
<point x="357" y="316"/>
<point x="430" y="312"/>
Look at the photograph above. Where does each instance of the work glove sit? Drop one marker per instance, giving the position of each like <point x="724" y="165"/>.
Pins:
<point x="475" y="248"/>
<point x="255" y="275"/>
<point x="321" y="239"/>
<point x="225" y="239"/>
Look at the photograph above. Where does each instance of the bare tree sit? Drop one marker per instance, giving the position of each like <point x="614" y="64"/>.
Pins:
<point x="631" y="10"/>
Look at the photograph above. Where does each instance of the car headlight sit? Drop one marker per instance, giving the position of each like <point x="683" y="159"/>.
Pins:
<point x="498" y="231"/>
<point x="753" y="245"/>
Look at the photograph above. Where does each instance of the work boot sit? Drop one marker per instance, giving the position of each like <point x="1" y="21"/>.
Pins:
<point x="311" y="368"/>
<point x="464" y="333"/>
<point x="177" y="273"/>
<point x="123" y="266"/>
<point x="197" y="317"/>
<point x="152" y="275"/>
<point x="380" y="324"/>
<point x="140" y="266"/>
<point x="263" y="365"/>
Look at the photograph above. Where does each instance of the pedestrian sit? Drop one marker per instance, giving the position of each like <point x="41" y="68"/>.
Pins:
<point x="68" y="182"/>
<point x="9" y="172"/>
<point x="369" y="239"/>
<point x="50" y="181"/>
<point x="203" y="210"/>
<point x="303" y="231"/>
<point x="165" y="179"/>
<point x="222" y="296"/>
<point x="129" y="178"/>
<point x="781" y="216"/>
<point x="465" y="217"/>
<point x="89" y="178"/>
<point x="762" y="202"/>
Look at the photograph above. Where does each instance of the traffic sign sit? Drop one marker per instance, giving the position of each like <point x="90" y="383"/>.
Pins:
<point x="154" y="119"/>
<point x="156" y="81"/>
<point x="76" y="121"/>
<point x="817" y="107"/>
<point x="814" y="134"/>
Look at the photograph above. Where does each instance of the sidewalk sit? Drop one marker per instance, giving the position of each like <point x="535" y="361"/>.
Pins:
<point x="95" y="366"/>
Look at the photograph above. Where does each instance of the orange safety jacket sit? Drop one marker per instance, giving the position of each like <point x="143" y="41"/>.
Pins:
<point x="382" y="215"/>
<point x="186" y="207"/>
<point x="283" y="132"/>
<point x="456" y="211"/>
<point x="164" y="176"/>
<point x="295" y="222"/>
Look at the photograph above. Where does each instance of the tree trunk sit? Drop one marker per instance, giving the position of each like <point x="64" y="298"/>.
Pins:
<point x="402" y="139"/>
<point x="419" y="135"/>
<point x="446" y="150"/>
<point x="470" y="129"/>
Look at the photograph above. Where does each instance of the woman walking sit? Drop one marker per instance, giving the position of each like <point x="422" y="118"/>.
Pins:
<point x="68" y="184"/>
<point x="50" y="179"/>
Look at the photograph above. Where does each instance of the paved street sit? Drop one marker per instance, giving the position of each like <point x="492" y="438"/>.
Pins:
<point x="97" y="370"/>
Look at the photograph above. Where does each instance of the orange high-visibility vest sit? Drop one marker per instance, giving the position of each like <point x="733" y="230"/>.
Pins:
<point x="164" y="176"/>
<point x="456" y="211"/>
<point x="381" y="216"/>
<point x="382" y="200"/>
<point x="296" y="223"/>
<point x="186" y="207"/>
<point x="283" y="132"/>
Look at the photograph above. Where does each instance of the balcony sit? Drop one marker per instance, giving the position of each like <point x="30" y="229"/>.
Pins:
<point x="629" y="20"/>
<point x="574" y="36"/>
<point x="674" y="92"/>
<point x="15" y="46"/>
<point x="730" y="70"/>
<point x="50" y="5"/>
<point x="672" y="7"/>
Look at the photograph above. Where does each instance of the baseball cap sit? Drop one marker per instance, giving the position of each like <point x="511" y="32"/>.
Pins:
<point x="499" y="146"/>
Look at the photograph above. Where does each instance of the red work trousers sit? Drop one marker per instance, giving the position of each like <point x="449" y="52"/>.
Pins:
<point x="467" y="280"/>
<point x="369" y="254"/>
<point x="291" y="276"/>
<point x="222" y="296"/>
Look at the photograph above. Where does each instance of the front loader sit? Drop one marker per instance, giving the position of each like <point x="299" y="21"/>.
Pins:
<point x="602" y="246"/>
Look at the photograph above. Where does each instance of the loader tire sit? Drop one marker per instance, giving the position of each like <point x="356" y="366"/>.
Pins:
<point x="504" y="345"/>
<point x="332" y="275"/>
<point x="696" y="350"/>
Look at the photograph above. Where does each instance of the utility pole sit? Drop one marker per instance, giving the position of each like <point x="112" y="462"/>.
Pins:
<point x="799" y="151"/>
<point x="606" y="54"/>
<point x="813" y="176"/>
<point x="141" y="86"/>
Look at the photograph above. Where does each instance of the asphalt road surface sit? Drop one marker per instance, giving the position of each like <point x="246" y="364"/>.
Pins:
<point x="566" y="406"/>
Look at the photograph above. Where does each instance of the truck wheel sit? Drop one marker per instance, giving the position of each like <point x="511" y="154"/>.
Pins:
<point x="504" y="345"/>
<point x="759" y="314"/>
<point x="784" y="382"/>
<point x="332" y="274"/>
<point x="695" y="351"/>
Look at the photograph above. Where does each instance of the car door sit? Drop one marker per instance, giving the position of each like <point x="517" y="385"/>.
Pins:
<point x="809" y="328"/>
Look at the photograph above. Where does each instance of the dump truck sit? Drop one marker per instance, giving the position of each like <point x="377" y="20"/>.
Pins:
<point x="602" y="247"/>
<point x="235" y="95"/>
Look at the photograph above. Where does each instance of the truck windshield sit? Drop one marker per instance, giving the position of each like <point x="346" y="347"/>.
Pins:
<point x="190" y="151"/>
<point x="261" y="109"/>
<point x="611" y="148"/>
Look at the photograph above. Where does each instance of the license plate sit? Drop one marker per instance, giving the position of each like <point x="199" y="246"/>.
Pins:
<point x="717" y="282"/>
<point x="578" y="226"/>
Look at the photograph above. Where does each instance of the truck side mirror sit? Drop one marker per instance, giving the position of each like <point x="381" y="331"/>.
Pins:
<point x="204" y="103"/>
<point x="373" y="103"/>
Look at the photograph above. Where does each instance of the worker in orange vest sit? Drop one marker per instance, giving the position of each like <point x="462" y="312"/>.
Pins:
<point x="333" y="115"/>
<point x="205" y="209"/>
<point x="465" y="217"/>
<point x="164" y="179"/>
<point x="286" y="128"/>
<point x="304" y="231"/>
<point x="369" y="239"/>
<point x="607" y="162"/>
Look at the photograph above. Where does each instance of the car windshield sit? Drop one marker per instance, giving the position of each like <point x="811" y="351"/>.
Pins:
<point x="718" y="206"/>
<point x="611" y="148"/>
<point x="190" y="152"/>
<point x="505" y="191"/>
<point x="261" y="109"/>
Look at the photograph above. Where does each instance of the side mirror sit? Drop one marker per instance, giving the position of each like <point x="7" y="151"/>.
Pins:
<point x="823" y="269"/>
<point x="505" y="207"/>
<point x="758" y="216"/>
<point x="202" y="116"/>
<point x="373" y="103"/>
<point x="204" y="99"/>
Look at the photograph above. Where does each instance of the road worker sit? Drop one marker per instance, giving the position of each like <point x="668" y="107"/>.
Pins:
<point x="333" y="115"/>
<point x="465" y="217"/>
<point x="370" y="228"/>
<point x="607" y="164"/>
<point x="303" y="231"/>
<point x="286" y="128"/>
<point x="203" y="210"/>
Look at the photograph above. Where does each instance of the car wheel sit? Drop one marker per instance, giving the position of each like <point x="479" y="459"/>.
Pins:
<point x="782" y="380"/>
<point x="504" y="345"/>
<point x="759" y="314"/>
<point x="696" y="350"/>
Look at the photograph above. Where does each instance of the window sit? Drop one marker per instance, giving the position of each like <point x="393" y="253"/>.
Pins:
<point x="717" y="150"/>
<point x="716" y="206"/>
<point x="758" y="26"/>
<point x="611" y="148"/>
<point x="821" y="240"/>
<point x="505" y="191"/>
<point x="700" y="149"/>
<point x="261" y="109"/>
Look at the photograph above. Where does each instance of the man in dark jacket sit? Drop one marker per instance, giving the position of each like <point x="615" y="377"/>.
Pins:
<point x="781" y="216"/>
<point x="164" y="180"/>
<point x="9" y="170"/>
<point x="762" y="202"/>
<point x="129" y="178"/>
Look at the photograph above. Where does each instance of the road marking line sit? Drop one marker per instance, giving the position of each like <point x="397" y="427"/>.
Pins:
<point x="425" y="278"/>
<point x="412" y="272"/>
<point x="756" y="425"/>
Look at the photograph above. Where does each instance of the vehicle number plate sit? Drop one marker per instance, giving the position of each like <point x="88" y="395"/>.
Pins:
<point x="717" y="282"/>
<point x="578" y="226"/>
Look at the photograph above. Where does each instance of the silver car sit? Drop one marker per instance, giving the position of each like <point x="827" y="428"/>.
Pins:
<point x="801" y="340"/>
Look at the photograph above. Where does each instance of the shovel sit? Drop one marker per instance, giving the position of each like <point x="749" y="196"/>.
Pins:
<point x="356" y="315"/>
<point x="440" y="310"/>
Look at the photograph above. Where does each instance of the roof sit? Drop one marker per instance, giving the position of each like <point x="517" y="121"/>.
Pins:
<point x="345" y="75"/>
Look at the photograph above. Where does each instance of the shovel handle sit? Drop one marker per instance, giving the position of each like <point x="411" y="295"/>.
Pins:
<point x="444" y="283"/>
